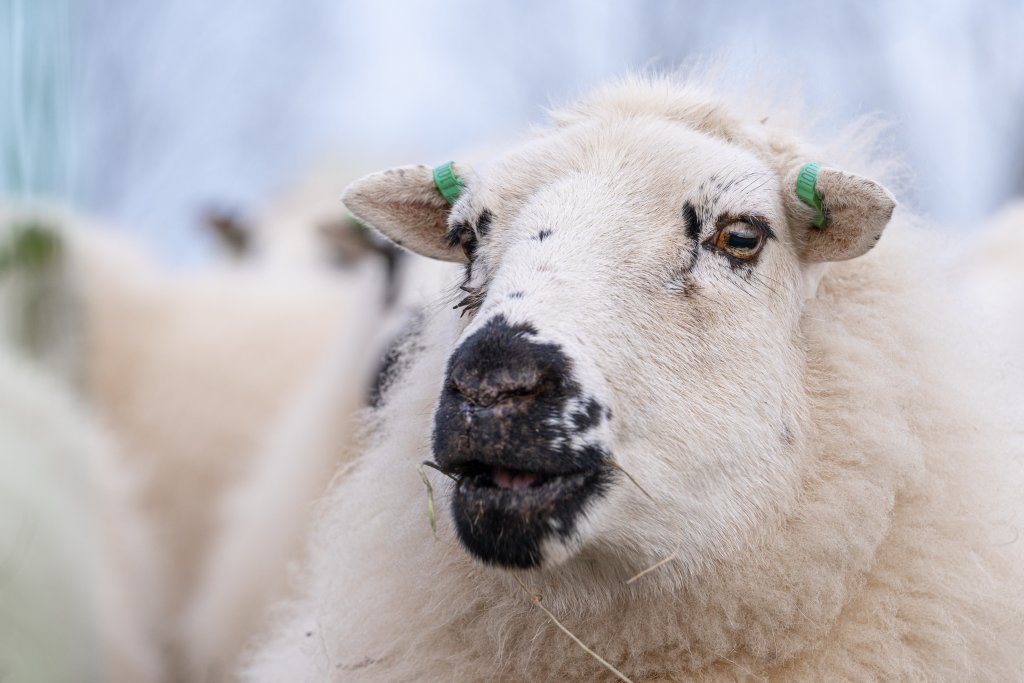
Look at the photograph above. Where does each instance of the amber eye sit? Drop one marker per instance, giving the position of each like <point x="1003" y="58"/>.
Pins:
<point x="740" y="240"/>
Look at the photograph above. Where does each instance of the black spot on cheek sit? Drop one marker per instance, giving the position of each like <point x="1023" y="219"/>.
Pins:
<point x="518" y="294"/>
<point x="394" y="359"/>
<point x="691" y="221"/>
<point x="542" y="235"/>
<point x="589" y="416"/>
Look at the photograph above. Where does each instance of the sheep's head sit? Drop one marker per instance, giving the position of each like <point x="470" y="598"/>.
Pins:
<point x="635" y="291"/>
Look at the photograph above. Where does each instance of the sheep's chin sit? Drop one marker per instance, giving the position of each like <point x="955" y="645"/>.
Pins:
<point x="524" y="526"/>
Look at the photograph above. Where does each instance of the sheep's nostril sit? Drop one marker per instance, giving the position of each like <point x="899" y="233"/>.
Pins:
<point x="486" y="386"/>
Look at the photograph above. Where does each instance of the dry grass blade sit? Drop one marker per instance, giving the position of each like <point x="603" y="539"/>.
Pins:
<point x="613" y="464"/>
<point x="435" y="466"/>
<point x="535" y="598"/>
<point x="663" y="561"/>
<point x="431" y="510"/>
<point x="660" y="563"/>
<point x="430" y="500"/>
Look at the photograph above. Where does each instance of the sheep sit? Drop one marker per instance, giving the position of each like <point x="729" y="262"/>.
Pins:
<point x="80" y="587"/>
<point x="191" y="369"/>
<point x="992" y="270"/>
<point x="989" y="274"/>
<point x="187" y="369"/>
<point x="305" y="227"/>
<point x="263" y="517"/>
<point x="683" y="413"/>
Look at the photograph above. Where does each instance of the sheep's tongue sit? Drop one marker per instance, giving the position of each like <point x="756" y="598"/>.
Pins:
<point x="507" y="479"/>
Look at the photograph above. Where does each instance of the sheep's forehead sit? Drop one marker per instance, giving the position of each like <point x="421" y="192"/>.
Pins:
<point x="637" y="161"/>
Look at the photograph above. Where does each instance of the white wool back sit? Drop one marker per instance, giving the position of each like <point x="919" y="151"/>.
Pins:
<point x="900" y="559"/>
<point x="79" y="581"/>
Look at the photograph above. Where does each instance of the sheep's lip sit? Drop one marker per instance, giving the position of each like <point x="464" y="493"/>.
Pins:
<point x="503" y="516"/>
<point x="497" y="486"/>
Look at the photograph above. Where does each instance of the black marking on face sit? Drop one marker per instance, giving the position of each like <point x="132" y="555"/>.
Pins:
<point x="681" y="280"/>
<point x="691" y="222"/>
<point x="507" y="527"/>
<point x="453" y="237"/>
<point x="483" y="224"/>
<point x="462" y="233"/>
<point x="501" y="427"/>
<point x="518" y="294"/>
<point x="589" y="416"/>
<point x="542" y="235"/>
<point x="402" y="348"/>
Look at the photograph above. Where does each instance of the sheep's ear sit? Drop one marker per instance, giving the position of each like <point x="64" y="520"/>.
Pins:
<point x="854" y="212"/>
<point x="406" y="205"/>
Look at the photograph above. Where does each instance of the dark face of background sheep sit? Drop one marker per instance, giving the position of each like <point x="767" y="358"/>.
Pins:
<point x="635" y="294"/>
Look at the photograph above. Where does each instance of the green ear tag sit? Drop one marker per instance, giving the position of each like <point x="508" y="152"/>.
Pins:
<point x="448" y="184"/>
<point x="805" y="182"/>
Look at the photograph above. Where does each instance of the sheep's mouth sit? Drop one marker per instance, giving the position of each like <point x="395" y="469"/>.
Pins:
<point x="480" y="475"/>
<point x="504" y="515"/>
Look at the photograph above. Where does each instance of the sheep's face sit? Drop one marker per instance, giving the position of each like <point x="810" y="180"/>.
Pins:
<point x="634" y="297"/>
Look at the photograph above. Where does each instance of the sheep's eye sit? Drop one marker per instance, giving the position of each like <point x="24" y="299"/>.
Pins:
<point x="469" y="243"/>
<point x="740" y="240"/>
<point x="462" y="235"/>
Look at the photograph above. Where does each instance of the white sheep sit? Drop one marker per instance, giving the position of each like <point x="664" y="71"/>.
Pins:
<point x="80" y="586"/>
<point x="817" y="492"/>
<point x="188" y="369"/>
<point x="303" y="227"/>
<point x="191" y="370"/>
<point x="264" y="517"/>
<point x="992" y="270"/>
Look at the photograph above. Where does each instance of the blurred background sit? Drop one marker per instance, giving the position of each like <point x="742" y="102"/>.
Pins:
<point x="182" y="295"/>
<point x="149" y="113"/>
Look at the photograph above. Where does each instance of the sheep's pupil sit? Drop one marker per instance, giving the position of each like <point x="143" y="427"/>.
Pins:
<point x="744" y="240"/>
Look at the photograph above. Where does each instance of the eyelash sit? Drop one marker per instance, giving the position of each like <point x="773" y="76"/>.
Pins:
<point x="471" y="303"/>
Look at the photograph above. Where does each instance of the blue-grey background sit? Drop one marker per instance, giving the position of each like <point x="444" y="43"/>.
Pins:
<point x="145" y="112"/>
